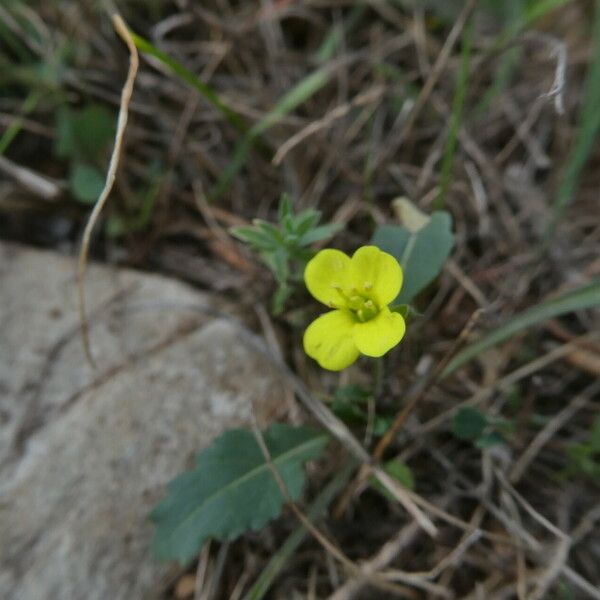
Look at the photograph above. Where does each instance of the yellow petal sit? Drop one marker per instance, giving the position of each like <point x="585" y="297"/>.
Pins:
<point x="327" y="270"/>
<point x="328" y="339"/>
<point x="376" y="274"/>
<point x="377" y="336"/>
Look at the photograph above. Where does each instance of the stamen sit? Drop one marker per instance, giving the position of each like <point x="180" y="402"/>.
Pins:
<point x="367" y="285"/>
<point x="369" y="304"/>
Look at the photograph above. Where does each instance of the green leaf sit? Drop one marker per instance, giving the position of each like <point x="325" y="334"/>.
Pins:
<point x="400" y="471"/>
<point x="280" y="297"/>
<point x="86" y="183"/>
<point x="285" y="207"/>
<point x="255" y="237"/>
<point x="594" y="440"/>
<point x="64" y="143"/>
<point x="306" y="220"/>
<point x="93" y="129"/>
<point x="468" y="423"/>
<point x="421" y="253"/>
<point x="84" y="134"/>
<point x="205" y="90"/>
<point x="319" y="233"/>
<point x="231" y="489"/>
<point x="455" y="117"/>
<point x="297" y="95"/>
<point x="353" y="393"/>
<point x="277" y="261"/>
<point x="586" y="296"/>
<point x="487" y="440"/>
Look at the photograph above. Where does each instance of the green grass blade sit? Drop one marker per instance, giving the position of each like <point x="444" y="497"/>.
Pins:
<point x="456" y="117"/>
<point x="279" y="559"/>
<point x="336" y="35"/>
<point x="301" y="92"/>
<point x="584" y="297"/>
<point x="534" y="12"/>
<point x="13" y="129"/>
<point x="587" y="132"/>
<point x="144" y="45"/>
<point x="515" y="9"/>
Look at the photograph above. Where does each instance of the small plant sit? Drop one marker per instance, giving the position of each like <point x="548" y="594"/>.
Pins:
<point x="472" y="425"/>
<point x="232" y="488"/>
<point x="285" y="247"/>
<point x="83" y="138"/>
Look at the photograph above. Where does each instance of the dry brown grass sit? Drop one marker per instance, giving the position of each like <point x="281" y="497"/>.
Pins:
<point x="509" y="525"/>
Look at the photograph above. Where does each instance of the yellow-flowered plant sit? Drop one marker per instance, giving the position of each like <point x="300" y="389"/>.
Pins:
<point x="359" y="290"/>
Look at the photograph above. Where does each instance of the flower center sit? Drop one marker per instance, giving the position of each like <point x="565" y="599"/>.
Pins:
<point x="361" y="306"/>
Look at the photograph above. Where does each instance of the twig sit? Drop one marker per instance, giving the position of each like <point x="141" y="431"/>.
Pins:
<point x="337" y="113"/>
<point x="121" y="29"/>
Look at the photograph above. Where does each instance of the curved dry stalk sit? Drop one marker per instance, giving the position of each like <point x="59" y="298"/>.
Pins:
<point x="121" y="29"/>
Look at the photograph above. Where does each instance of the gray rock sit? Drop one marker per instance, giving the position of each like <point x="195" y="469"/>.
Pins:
<point x="84" y="453"/>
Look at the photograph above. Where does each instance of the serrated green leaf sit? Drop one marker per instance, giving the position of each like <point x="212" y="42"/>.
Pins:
<point x="422" y="254"/>
<point x="86" y="183"/>
<point x="468" y="423"/>
<point x="231" y="489"/>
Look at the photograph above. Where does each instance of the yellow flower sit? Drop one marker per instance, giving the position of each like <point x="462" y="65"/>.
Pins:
<point x="359" y="290"/>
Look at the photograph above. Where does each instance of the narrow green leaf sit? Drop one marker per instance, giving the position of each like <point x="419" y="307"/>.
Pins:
<point x="455" y="118"/>
<point x="587" y="132"/>
<point x="205" y="90"/>
<point x="13" y="129"/>
<point x="306" y="220"/>
<point x="231" y="489"/>
<point x="422" y="254"/>
<point x="337" y="33"/>
<point x="301" y="92"/>
<point x="255" y="237"/>
<point x="319" y="233"/>
<point x="584" y="297"/>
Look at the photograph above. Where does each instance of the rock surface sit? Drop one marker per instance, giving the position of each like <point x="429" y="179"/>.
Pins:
<point x="84" y="453"/>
